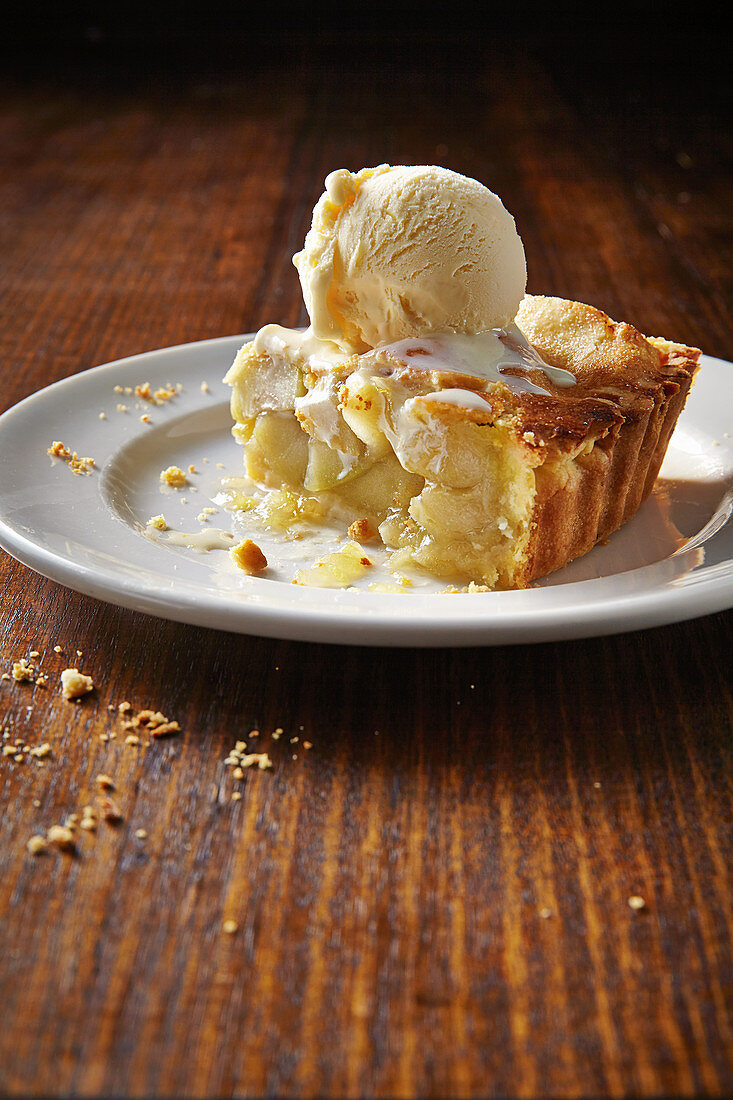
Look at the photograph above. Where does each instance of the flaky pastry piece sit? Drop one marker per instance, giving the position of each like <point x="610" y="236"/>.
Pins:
<point x="495" y="479"/>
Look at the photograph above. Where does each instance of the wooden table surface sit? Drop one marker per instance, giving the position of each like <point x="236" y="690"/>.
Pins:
<point x="433" y="899"/>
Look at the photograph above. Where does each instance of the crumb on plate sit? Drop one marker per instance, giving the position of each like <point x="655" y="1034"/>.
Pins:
<point x="76" y="464"/>
<point x="158" y="522"/>
<point x="174" y="477"/>
<point x="363" y="530"/>
<point x="248" y="557"/>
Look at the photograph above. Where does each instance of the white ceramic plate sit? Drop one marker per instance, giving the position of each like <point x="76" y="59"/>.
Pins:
<point x="672" y="561"/>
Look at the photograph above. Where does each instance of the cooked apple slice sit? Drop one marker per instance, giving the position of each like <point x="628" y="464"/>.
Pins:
<point x="337" y="570"/>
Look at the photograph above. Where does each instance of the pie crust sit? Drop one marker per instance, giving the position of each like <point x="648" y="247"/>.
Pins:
<point x="471" y="479"/>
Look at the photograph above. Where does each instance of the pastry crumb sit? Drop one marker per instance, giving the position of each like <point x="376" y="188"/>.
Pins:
<point x="74" y="684"/>
<point x="37" y="845"/>
<point x="636" y="902"/>
<point x="145" y="392"/>
<point x="174" y="477"/>
<point x="239" y="759"/>
<point x="363" y="530"/>
<point x="76" y="464"/>
<point x="110" y="811"/>
<point x="22" y="670"/>
<point x="248" y="557"/>
<point x="258" y="759"/>
<point x="158" y="522"/>
<point x="166" y="393"/>
<point x="230" y="927"/>
<point x="63" y="837"/>
<point x="151" y="721"/>
<point x="203" y="516"/>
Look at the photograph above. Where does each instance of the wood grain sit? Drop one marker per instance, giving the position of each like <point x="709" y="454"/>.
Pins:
<point x="432" y="900"/>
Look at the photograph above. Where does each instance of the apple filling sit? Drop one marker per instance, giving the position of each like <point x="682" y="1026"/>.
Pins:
<point x="442" y="472"/>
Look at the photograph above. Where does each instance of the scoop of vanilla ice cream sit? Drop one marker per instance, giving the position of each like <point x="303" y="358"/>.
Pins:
<point x="396" y="252"/>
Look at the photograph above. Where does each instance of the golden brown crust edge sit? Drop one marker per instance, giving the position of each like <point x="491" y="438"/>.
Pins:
<point x="611" y="482"/>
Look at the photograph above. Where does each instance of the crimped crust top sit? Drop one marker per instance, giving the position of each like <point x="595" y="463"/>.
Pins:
<point x="604" y="355"/>
<point x="617" y="369"/>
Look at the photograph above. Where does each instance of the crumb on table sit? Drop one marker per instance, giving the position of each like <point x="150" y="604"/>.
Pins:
<point x="109" y="810"/>
<point x="63" y="837"/>
<point x="22" y="670"/>
<point x="239" y="758"/>
<point x="74" y="684"/>
<point x="149" y="721"/>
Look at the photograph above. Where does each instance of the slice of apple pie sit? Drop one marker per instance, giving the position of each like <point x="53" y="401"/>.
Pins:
<point x="495" y="457"/>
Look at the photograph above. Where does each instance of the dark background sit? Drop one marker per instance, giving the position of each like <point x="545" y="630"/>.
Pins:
<point x="684" y="49"/>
